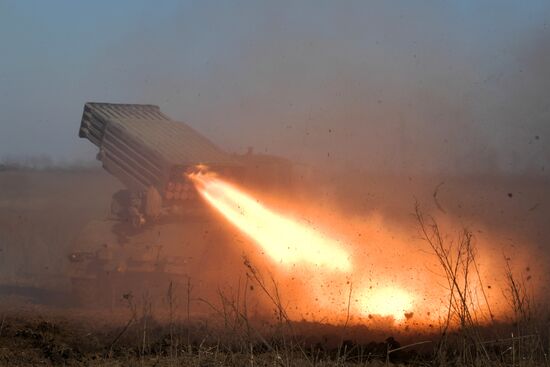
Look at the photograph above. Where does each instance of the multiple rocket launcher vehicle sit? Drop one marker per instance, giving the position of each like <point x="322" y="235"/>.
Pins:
<point x="149" y="153"/>
<point x="158" y="229"/>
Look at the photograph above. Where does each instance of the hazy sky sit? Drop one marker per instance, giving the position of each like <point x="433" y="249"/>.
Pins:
<point x="400" y="85"/>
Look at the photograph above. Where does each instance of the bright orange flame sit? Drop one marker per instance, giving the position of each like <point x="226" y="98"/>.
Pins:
<point x="285" y="240"/>
<point x="290" y="242"/>
<point x="389" y="301"/>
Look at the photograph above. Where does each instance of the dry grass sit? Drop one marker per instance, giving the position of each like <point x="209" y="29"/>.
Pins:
<point x="463" y="334"/>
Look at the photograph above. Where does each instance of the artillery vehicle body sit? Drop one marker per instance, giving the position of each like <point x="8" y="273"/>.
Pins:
<point x="159" y="230"/>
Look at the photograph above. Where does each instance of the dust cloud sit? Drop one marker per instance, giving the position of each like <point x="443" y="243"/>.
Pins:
<point x="378" y="106"/>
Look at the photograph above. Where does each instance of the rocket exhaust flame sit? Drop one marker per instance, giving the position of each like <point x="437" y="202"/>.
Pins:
<point x="284" y="240"/>
<point x="290" y="242"/>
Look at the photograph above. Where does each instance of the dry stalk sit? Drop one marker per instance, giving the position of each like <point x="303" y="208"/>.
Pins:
<point x="189" y="289"/>
<point x="145" y="316"/>
<point x="133" y="317"/>
<point x="518" y="296"/>
<point x="457" y="260"/>
<point x="282" y="317"/>
<point x="171" y="312"/>
<point x="527" y="343"/>
<point x="227" y="308"/>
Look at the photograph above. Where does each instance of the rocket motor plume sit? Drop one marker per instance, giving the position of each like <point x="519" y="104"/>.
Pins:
<point x="284" y="240"/>
<point x="290" y="242"/>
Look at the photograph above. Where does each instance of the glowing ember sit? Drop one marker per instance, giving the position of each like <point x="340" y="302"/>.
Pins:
<point x="285" y="240"/>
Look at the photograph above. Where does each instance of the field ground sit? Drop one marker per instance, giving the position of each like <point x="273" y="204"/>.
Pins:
<point x="41" y="212"/>
<point x="41" y="338"/>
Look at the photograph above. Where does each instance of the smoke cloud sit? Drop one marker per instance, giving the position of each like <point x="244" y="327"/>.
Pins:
<point x="425" y="87"/>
